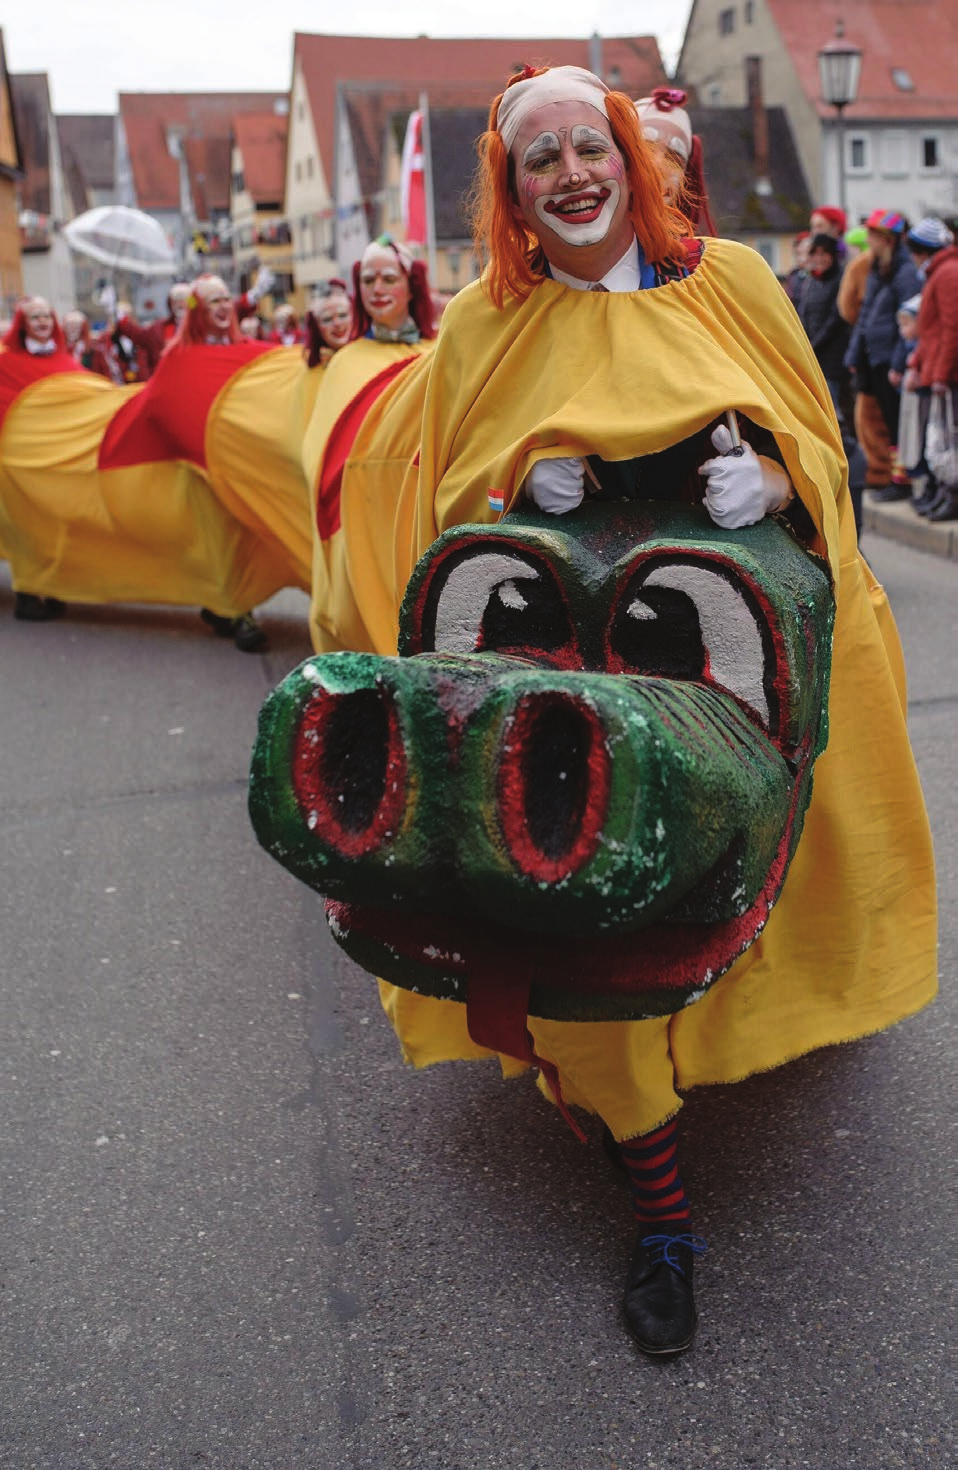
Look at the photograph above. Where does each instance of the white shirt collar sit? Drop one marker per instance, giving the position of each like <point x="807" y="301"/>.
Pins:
<point x="40" y="349"/>
<point x="623" y="276"/>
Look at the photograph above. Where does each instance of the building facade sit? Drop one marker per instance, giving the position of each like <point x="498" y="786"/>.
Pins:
<point x="897" y="147"/>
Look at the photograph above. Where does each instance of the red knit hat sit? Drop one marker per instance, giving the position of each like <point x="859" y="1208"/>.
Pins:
<point x="835" y="216"/>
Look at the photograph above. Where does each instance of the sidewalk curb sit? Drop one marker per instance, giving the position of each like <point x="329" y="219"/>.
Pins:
<point x="898" y="522"/>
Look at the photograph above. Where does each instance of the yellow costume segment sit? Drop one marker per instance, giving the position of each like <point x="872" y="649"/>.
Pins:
<point x="850" y="947"/>
<point x="254" y="454"/>
<point x="335" y="619"/>
<point x="153" y="532"/>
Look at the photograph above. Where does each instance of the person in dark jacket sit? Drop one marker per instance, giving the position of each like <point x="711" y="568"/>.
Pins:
<point x="829" y="334"/>
<point x="876" y="350"/>
<point x="817" y="307"/>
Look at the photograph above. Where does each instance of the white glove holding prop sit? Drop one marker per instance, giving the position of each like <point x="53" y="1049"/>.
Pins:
<point x="556" y="485"/>
<point x="264" y="279"/>
<point x="742" y="488"/>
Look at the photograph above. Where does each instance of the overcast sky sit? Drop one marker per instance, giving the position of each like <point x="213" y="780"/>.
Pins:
<point x="92" y="49"/>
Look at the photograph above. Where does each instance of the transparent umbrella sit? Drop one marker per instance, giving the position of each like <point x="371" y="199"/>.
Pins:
<point x="123" y="240"/>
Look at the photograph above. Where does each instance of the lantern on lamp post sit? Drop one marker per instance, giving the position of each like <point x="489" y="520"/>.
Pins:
<point x="839" y="70"/>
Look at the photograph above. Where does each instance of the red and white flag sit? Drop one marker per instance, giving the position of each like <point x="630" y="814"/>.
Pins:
<point x="413" y="183"/>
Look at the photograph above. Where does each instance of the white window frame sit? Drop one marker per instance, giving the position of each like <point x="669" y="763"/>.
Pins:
<point x="859" y="169"/>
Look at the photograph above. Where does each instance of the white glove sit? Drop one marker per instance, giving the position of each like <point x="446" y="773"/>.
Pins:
<point x="556" y="485"/>
<point x="264" y="279"/>
<point x="742" y="488"/>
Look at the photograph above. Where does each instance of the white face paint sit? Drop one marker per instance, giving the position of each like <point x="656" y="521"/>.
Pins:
<point x="571" y="187"/>
<point x="580" y="219"/>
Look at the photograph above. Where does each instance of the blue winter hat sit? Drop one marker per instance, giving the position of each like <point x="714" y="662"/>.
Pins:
<point x="930" y="234"/>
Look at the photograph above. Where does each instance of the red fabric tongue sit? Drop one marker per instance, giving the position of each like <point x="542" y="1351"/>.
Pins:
<point x="497" y="1009"/>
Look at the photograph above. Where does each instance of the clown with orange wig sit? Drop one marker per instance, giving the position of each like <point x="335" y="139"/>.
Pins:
<point x="393" y="332"/>
<point x="605" y="352"/>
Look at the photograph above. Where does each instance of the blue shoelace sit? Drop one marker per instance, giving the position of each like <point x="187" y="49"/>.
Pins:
<point x="661" y="1247"/>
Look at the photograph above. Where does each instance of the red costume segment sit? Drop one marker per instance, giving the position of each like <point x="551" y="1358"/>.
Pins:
<point x="20" y="369"/>
<point x="168" y="419"/>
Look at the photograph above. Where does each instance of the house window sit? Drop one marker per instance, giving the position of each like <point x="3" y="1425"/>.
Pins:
<point x="930" y="153"/>
<point x="726" y="21"/>
<point x="893" y="152"/>
<point x="300" y="110"/>
<point x="766" y="249"/>
<point x="713" y="94"/>
<point x="749" y="12"/>
<point x="309" y="167"/>
<point x="298" y="171"/>
<point x="857" y="153"/>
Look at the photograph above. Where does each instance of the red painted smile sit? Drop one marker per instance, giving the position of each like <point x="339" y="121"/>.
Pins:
<point x="579" y="208"/>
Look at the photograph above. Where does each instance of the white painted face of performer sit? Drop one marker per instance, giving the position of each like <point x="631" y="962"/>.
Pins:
<point x="215" y="296"/>
<point x="38" y="320"/>
<point x="571" y="188"/>
<point x="384" y="287"/>
<point x="179" y="296"/>
<point x="334" y="317"/>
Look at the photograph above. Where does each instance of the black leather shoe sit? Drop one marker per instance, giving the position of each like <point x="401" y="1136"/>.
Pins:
<point x="248" y="635"/>
<point x="946" y="509"/>
<point x="659" y="1306"/>
<point x="891" y="492"/>
<point x="222" y="627"/>
<point x="30" y="608"/>
<point x="927" y="506"/>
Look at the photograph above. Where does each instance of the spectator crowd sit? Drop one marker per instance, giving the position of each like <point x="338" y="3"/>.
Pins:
<point x="879" y="303"/>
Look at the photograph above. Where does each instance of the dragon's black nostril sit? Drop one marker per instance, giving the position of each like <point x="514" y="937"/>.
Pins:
<point x="353" y="757"/>
<point x="556" y="777"/>
<point x="349" y="769"/>
<point x="553" y="785"/>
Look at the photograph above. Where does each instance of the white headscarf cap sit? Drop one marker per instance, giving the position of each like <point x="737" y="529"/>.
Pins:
<point x="558" y="84"/>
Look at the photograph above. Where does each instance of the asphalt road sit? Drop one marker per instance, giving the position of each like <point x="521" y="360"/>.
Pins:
<point x="237" y="1232"/>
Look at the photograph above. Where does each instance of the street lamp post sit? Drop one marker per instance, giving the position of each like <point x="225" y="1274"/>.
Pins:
<point x="839" y="70"/>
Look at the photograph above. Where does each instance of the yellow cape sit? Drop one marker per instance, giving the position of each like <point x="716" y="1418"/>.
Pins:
<point x="335" y="618"/>
<point x="851" y="945"/>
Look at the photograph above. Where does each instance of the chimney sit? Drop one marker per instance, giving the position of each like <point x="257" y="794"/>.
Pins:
<point x="759" y="116"/>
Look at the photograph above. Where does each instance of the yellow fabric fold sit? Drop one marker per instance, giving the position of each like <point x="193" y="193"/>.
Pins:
<point x="154" y="533"/>
<point x="336" y="616"/>
<point x="254" y="451"/>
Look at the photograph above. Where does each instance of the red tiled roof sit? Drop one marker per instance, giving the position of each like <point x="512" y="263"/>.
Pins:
<point x="919" y="37"/>
<point x="261" y="139"/>
<point x="208" y="164"/>
<point x="425" y="63"/>
<point x="146" y="116"/>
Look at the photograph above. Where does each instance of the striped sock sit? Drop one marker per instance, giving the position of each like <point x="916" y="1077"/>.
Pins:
<point x="658" y="1195"/>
